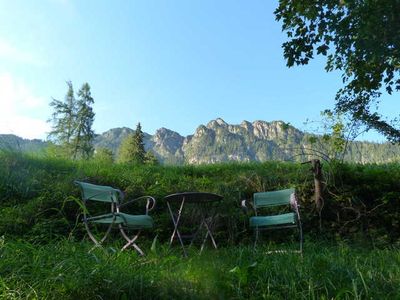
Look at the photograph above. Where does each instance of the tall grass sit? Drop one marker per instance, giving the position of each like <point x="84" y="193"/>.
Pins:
<point x="44" y="253"/>
<point x="65" y="270"/>
<point x="37" y="195"/>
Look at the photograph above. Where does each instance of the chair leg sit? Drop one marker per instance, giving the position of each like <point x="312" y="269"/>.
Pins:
<point x="134" y="245"/>
<point x="257" y="233"/>
<point x="98" y="243"/>
<point x="130" y="241"/>
<point x="301" y="238"/>
<point x="138" y="249"/>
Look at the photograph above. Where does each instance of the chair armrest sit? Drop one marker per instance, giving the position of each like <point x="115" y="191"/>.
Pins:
<point x="150" y="204"/>
<point x="294" y="204"/>
<point x="244" y="204"/>
<point x="101" y="217"/>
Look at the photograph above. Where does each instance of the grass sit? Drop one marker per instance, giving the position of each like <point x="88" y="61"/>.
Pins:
<point x="65" y="270"/>
<point x="43" y="253"/>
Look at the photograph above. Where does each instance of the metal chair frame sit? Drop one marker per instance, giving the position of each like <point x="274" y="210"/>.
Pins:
<point x="115" y="212"/>
<point x="295" y="207"/>
<point x="150" y="204"/>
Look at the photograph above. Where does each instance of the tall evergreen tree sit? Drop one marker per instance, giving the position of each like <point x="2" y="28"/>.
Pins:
<point x="131" y="149"/>
<point x="139" y="136"/>
<point x="84" y="134"/>
<point x="72" y="122"/>
<point x="126" y="150"/>
<point x="63" y="119"/>
<point x="150" y="158"/>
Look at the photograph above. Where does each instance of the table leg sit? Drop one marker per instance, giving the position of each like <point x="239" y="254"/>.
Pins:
<point x="204" y="242"/>
<point x="208" y="230"/>
<point x="211" y="236"/>
<point x="176" y="223"/>
<point x="195" y="234"/>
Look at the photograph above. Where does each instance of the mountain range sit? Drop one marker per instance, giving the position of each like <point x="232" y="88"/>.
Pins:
<point x="219" y="141"/>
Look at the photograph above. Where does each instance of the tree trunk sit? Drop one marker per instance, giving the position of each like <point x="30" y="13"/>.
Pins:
<point x="318" y="187"/>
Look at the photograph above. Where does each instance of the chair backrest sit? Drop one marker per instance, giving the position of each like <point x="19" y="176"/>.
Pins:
<point x="274" y="198"/>
<point x="99" y="192"/>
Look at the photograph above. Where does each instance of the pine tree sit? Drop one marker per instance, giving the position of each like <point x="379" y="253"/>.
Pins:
<point x="72" y="123"/>
<point x="140" y="152"/>
<point x="125" y="150"/>
<point x="131" y="149"/>
<point x="63" y="119"/>
<point x="150" y="158"/>
<point x="83" y="138"/>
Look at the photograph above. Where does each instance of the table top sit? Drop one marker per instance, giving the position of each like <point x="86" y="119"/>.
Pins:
<point x="193" y="197"/>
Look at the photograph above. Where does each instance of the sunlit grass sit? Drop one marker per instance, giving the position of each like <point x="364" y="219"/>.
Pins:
<point x="41" y="256"/>
<point x="66" y="270"/>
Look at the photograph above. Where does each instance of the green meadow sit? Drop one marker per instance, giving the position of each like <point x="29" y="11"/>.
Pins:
<point x="351" y="253"/>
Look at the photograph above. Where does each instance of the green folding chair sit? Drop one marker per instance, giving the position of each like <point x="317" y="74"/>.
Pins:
<point x="125" y="222"/>
<point x="277" y="221"/>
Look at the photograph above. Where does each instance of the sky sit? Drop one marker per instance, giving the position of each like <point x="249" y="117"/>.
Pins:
<point x="173" y="64"/>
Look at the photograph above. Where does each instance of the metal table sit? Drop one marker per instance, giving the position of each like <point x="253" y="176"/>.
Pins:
<point x="204" y="202"/>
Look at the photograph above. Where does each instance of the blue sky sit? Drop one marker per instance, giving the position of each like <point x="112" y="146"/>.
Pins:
<point x="173" y="64"/>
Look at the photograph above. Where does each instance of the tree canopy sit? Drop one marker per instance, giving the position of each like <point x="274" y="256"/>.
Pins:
<point x="83" y="140"/>
<point x="360" y="38"/>
<point x="72" y="123"/>
<point x="63" y="118"/>
<point x="132" y="149"/>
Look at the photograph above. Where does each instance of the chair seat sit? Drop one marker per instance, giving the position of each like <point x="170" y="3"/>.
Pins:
<point x="131" y="221"/>
<point x="261" y="221"/>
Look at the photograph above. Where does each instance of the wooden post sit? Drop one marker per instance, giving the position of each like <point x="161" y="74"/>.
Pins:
<point x="316" y="169"/>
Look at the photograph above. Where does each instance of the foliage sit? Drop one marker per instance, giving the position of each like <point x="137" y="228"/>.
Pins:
<point x="150" y="158"/>
<point x="125" y="152"/>
<point x="359" y="38"/>
<point x="83" y="138"/>
<point x="104" y="155"/>
<point x="140" y="152"/>
<point x="63" y="119"/>
<point x="131" y="149"/>
<point x="72" y="123"/>
<point x="361" y="201"/>
<point x="333" y="138"/>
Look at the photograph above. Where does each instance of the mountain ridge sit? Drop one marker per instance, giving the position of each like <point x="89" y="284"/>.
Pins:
<point x="218" y="141"/>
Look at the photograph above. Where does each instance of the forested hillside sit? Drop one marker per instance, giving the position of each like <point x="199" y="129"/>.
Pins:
<point x="221" y="142"/>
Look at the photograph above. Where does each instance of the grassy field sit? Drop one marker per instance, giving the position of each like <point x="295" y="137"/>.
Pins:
<point x="44" y="252"/>
<point x="65" y="270"/>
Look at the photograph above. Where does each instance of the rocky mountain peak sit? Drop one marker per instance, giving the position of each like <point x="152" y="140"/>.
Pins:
<point x="201" y="130"/>
<point x="116" y="132"/>
<point x="163" y="133"/>
<point x="271" y="130"/>
<point x="221" y="122"/>
<point x="167" y="140"/>
<point x="213" y="124"/>
<point x="246" y="125"/>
